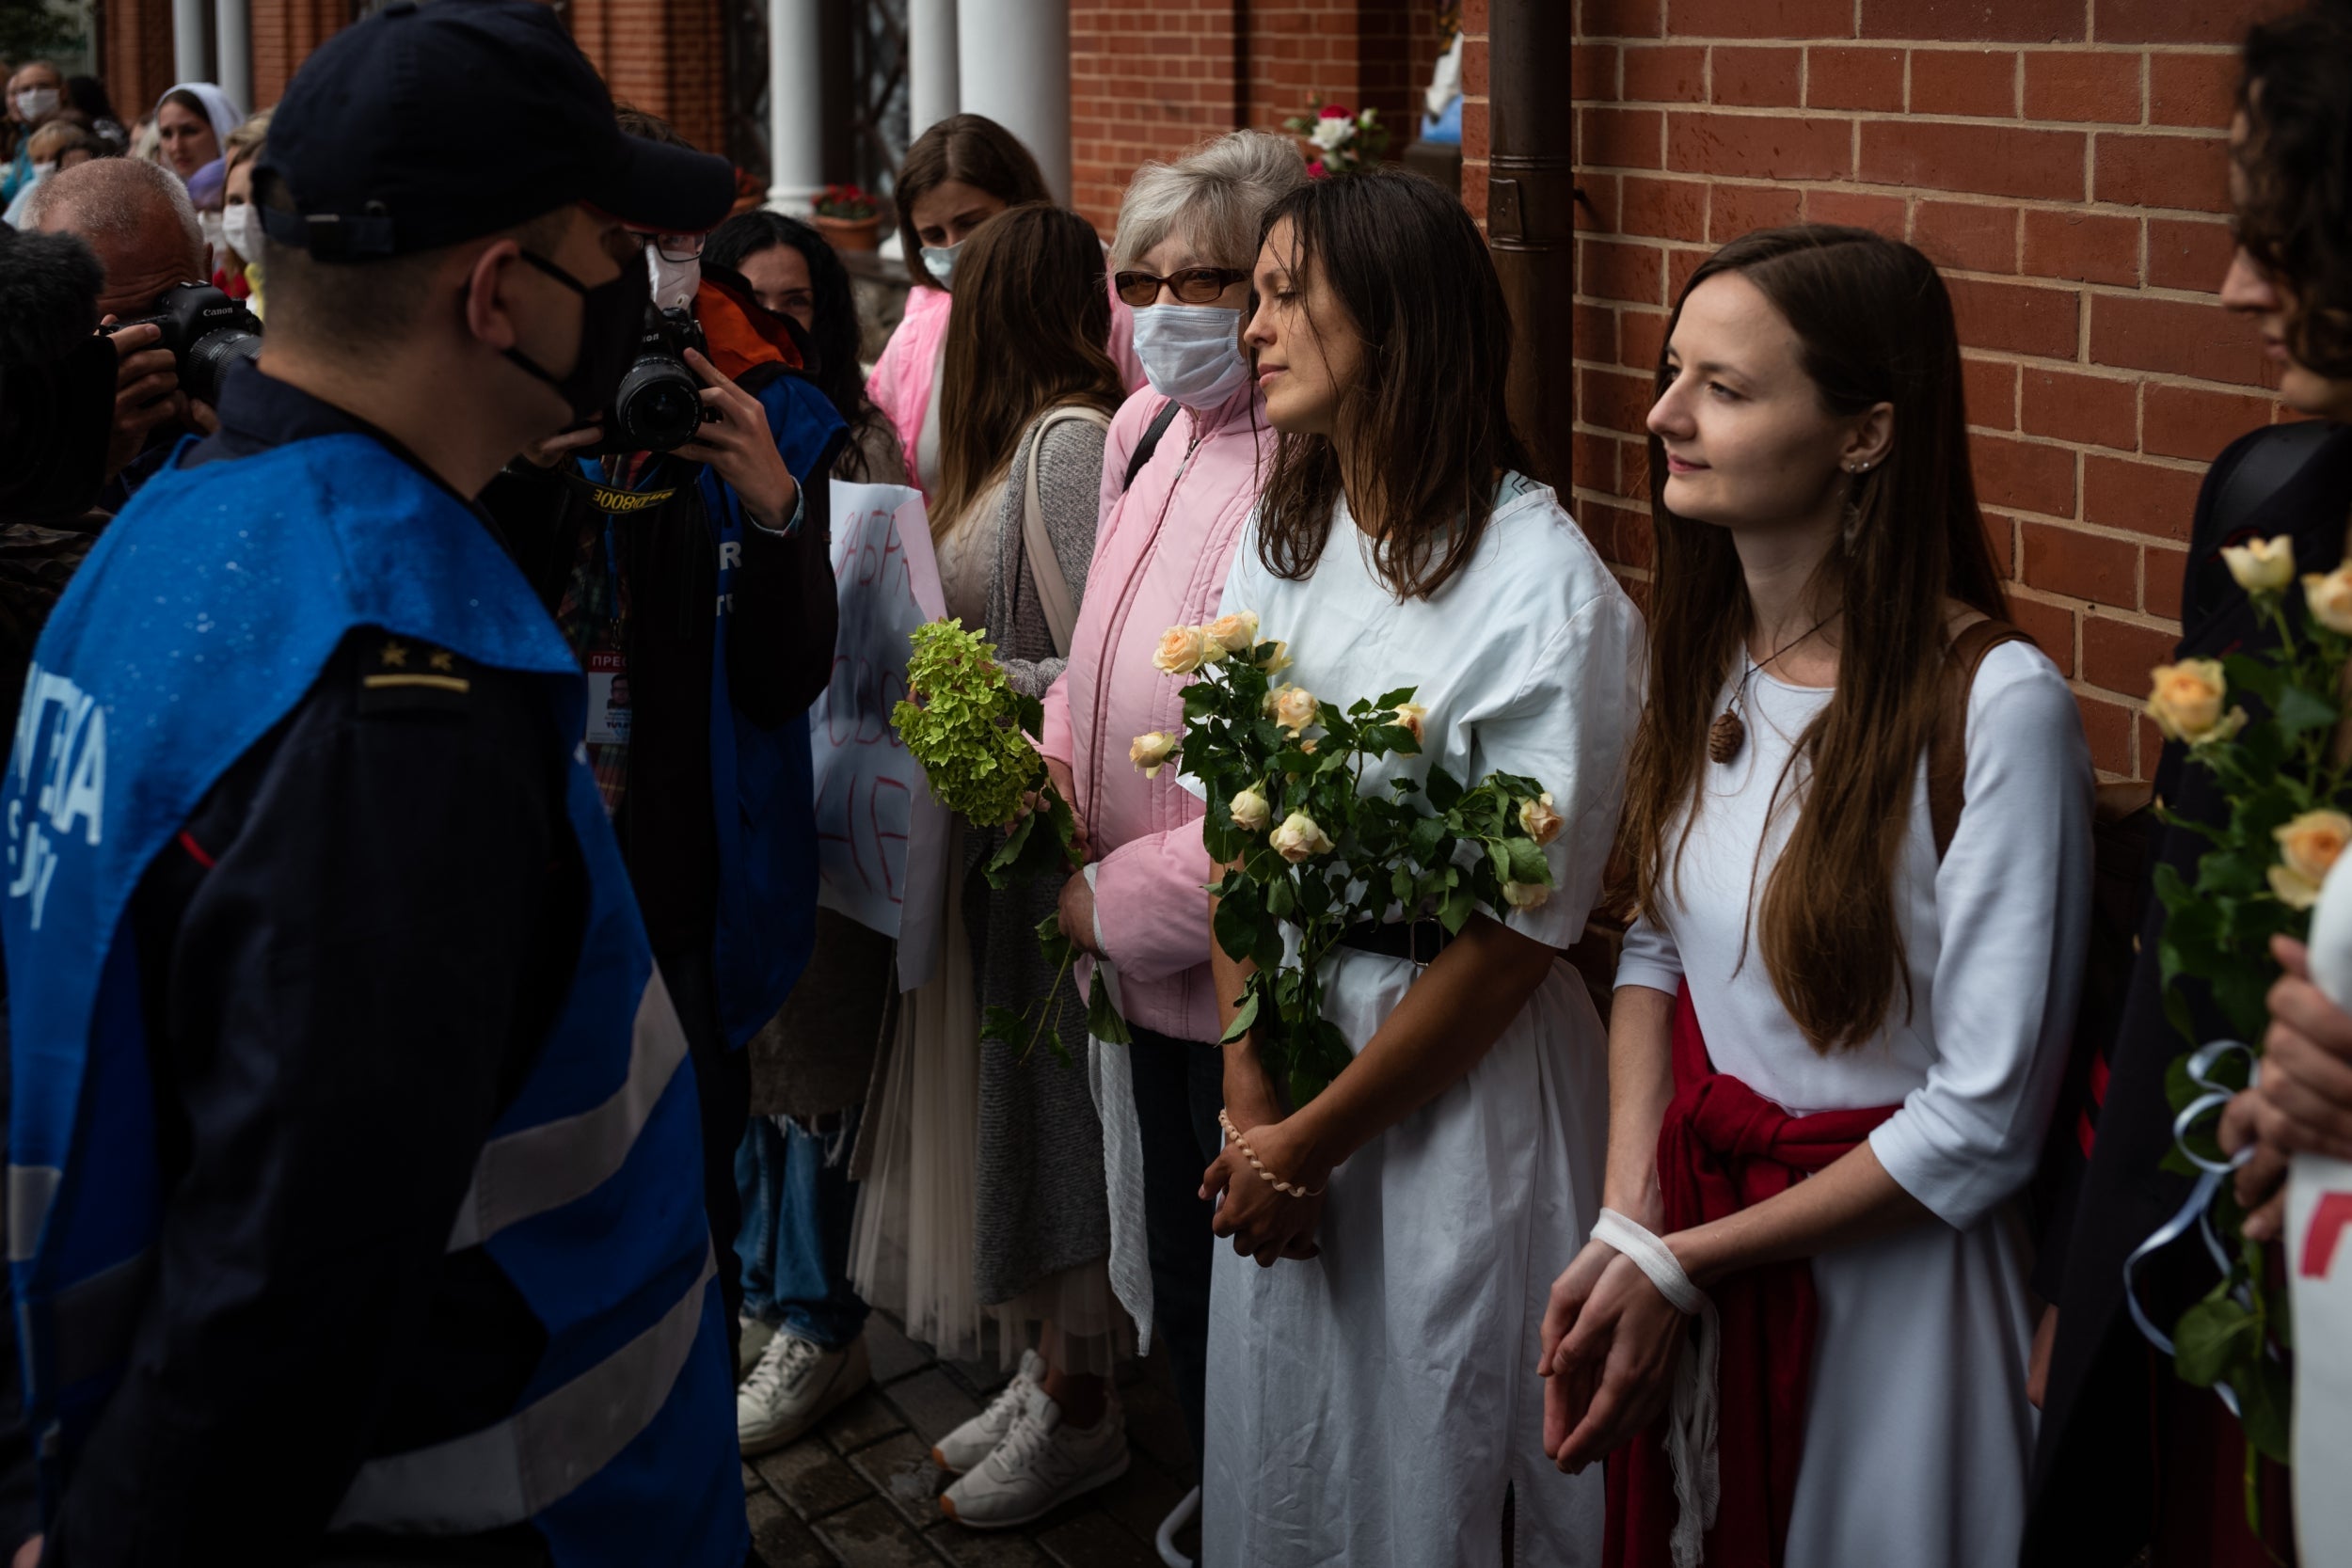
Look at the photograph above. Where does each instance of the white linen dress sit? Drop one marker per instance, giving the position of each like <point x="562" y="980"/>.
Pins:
<point x="1368" y="1408"/>
<point x="1918" y="1437"/>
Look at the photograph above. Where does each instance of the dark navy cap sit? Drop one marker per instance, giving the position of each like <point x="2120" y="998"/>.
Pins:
<point x="429" y="124"/>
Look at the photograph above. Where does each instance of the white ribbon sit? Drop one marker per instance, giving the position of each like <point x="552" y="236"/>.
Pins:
<point x="1691" y="1420"/>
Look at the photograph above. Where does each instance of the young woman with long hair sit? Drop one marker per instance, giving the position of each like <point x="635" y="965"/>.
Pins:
<point x="1838" y="1033"/>
<point x="959" y="174"/>
<point x="1369" y="1398"/>
<point x="1028" y="395"/>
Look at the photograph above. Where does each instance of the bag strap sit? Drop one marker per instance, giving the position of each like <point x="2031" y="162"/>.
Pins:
<point x="2262" y="472"/>
<point x="1149" y="444"/>
<point x="1948" y="747"/>
<point x="1052" y="587"/>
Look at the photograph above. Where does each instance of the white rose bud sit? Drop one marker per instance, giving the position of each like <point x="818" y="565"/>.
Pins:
<point x="2331" y="598"/>
<point x="1299" y="838"/>
<point x="1180" y="650"/>
<point x="2261" y="565"/>
<point x="1410" y="716"/>
<point x="1293" y="706"/>
<point x="1236" y="633"/>
<point x="1525" y="895"/>
<point x="1150" y="751"/>
<point x="1539" y="819"/>
<point x="1250" y="811"/>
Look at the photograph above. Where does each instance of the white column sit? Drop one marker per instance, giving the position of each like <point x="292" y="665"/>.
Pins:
<point x="796" y="105"/>
<point x="188" y="61"/>
<point x="1013" y="61"/>
<point x="932" y="92"/>
<point x="233" y="52"/>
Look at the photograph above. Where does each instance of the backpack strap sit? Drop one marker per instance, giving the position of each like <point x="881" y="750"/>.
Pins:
<point x="1149" y="444"/>
<point x="1948" y="747"/>
<point x="2263" y="469"/>
<point x="1053" y="588"/>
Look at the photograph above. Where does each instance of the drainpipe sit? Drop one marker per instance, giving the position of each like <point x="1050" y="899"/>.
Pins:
<point x="1531" y="216"/>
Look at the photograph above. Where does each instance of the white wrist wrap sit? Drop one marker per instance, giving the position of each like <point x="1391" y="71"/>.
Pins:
<point x="1690" y="1421"/>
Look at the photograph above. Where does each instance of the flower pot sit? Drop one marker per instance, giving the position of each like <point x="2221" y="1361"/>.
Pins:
<point x="850" y="233"/>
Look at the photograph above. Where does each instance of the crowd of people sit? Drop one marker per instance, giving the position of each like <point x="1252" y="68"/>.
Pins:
<point x="435" y="1089"/>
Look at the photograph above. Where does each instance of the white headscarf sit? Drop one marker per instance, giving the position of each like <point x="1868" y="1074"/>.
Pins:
<point x="218" y="107"/>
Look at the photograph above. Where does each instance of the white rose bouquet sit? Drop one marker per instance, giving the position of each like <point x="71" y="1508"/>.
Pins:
<point x="1305" y="847"/>
<point x="2285" y="787"/>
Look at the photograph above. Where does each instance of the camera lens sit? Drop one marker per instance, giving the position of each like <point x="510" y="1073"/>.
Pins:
<point x="658" y="406"/>
<point x="208" y="359"/>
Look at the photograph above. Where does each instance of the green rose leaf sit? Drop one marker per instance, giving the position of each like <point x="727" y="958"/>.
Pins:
<point x="2212" y="1337"/>
<point x="1103" y="1019"/>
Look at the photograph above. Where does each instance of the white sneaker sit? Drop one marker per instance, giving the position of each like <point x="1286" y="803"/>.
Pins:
<point x="964" y="1447"/>
<point x="795" y="1386"/>
<point x="755" y="1336"/>
<point x="1040" y="1464"/>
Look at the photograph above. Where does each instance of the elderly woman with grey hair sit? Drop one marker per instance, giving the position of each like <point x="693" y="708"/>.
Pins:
<point x="1180" y="477"/>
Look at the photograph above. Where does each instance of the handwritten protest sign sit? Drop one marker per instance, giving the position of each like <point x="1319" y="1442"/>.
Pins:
<point x="881" y="839"/>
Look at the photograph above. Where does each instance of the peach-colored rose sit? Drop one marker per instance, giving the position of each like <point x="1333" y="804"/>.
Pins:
<point x="1411" y="717"/>
<point x="1525" y="895"/>
<point x="1536" y="818"/>
<point x="1180" y="650"/>
<point x="1293" y="706"/>
<point x="1250" y="811"/>
<point x="1150" y="751"/>
<point x="2261" y="565"/>
<point x="2186" y="702"/>
<point x="2331" y="598"/>
<point x="1299" y="838"/>
<point x="1278" y="659"/>
<point x="1236" y="633"/>
<point x="2306" y="848"/>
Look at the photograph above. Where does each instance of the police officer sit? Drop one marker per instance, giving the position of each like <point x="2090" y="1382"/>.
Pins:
<point x="354" y="1205"/>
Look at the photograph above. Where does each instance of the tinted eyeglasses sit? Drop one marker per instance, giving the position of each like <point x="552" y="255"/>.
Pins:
<point x="1192" y="285"/>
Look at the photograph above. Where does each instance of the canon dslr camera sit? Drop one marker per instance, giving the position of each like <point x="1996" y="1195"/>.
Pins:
<point x="659" y="406"/>
<point x="206" y="332"/>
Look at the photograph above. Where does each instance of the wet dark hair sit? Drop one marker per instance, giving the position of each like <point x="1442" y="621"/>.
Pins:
<point x="973" y="150"/>
<point x="1424" y="414"/>
<point x="2296" y="220"/>
<point x="834" y="340"/>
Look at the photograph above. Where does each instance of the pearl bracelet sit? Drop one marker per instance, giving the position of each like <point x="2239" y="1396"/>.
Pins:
<point x="1264" y="1175"/>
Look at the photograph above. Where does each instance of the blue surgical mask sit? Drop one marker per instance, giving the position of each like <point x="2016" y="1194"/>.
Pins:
<point x="940" y="261"/>
<point x="1192" y="353"/>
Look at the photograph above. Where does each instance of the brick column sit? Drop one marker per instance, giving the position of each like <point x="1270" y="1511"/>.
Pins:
<point x="667" y="57"/>
<point x="136" y="54"/>
<point x="284" y="33"/>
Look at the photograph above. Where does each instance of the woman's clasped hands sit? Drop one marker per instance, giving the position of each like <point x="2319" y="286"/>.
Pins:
<point x="1262" y="1222"/>
<point x="1610" y="1340"/>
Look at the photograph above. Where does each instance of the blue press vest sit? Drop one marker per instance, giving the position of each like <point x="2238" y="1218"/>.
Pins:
<point x="762" y="781"/>
<point x="201" y="618"/>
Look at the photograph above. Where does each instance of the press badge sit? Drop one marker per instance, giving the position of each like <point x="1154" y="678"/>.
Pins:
<point x="607" y="698"/>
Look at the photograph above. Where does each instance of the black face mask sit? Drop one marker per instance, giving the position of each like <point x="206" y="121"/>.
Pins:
<point x="611" y="320"/>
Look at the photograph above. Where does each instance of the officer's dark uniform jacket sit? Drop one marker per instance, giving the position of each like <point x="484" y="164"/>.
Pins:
<point x="353" y="1157"/>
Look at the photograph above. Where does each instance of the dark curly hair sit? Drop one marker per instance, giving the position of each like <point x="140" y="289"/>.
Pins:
<point x="2296" y="217"/>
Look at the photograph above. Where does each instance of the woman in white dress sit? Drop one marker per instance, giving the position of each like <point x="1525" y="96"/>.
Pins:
<point x="1842" y="1017"/>
<point x="1372" y="1350"/>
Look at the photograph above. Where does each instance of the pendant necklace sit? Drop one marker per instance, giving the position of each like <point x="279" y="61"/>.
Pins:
<point x="1728" y="734"/>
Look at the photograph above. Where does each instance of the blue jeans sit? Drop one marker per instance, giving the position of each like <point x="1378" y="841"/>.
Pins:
<point x="795" y="1239"/>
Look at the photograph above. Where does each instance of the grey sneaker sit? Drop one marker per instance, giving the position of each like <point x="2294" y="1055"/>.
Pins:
<point x="964" y="1448"/>
<point x="1040" y="1464"/>
<point x="796" y="1385"/>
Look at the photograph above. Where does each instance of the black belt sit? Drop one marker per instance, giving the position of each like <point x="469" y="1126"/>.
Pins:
<point x="1416" y="941"/>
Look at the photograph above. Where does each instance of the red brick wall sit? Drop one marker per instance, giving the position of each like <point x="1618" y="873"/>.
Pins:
<point x="2062" y="160"/>
<point x="284" y="33"/>
<point x="1149" y="77"/>
<point x="667" y="57"/>
<point x="134" y="54"/>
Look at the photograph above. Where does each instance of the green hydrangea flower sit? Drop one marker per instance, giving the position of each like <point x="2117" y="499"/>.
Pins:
<point x="962" y="721"/>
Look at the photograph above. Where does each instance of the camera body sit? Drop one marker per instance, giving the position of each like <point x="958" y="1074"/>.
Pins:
<point x="660" y="404"/>
<point x="206" y="331"/>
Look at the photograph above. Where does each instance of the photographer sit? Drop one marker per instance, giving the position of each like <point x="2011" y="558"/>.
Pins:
<point x="697" y="588"/>
<point x="355" y="1142"/>
<point x="138" y="218"/>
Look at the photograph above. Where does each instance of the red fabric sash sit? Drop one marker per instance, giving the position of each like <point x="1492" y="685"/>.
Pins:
<point x="1723" y="1147"/>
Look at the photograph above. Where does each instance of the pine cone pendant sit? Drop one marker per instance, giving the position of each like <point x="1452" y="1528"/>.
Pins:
<point x="1725" y="735"/>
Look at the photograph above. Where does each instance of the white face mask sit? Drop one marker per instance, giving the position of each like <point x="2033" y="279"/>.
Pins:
<point x="33" y="102"/>
<point x="675" y="283"/>
<point x="1192" y="353"/>
<point x="216" y="236"/>
<point x="42" y="172"/>
<point x="940" y="261"/>
<point x="240" y="225"/>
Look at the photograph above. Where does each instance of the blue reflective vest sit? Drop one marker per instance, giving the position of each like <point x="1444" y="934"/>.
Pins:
<point x="200" y="620"/>
<point x="762" y="780"/>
